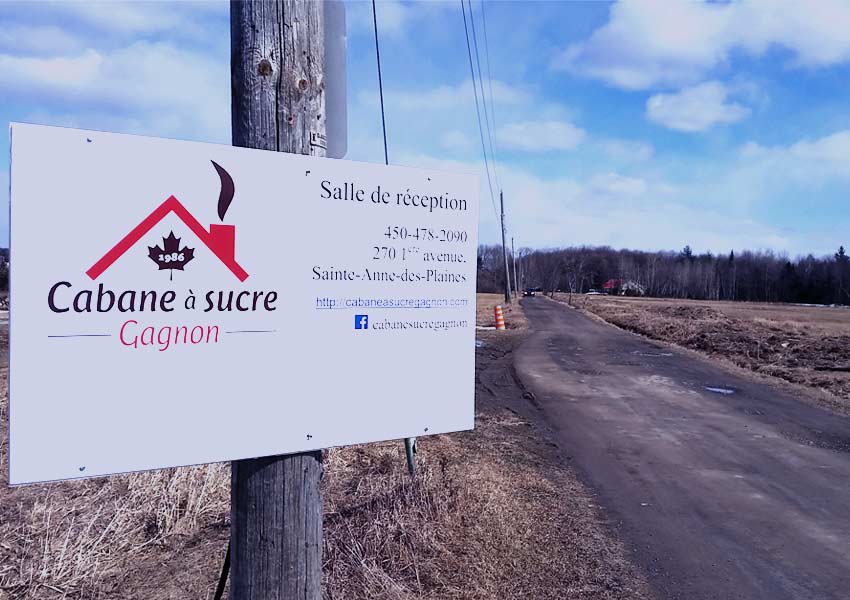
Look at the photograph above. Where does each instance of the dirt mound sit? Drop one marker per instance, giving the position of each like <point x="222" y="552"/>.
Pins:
<point x="796" y="352"/>
<point x="688" y="312"/>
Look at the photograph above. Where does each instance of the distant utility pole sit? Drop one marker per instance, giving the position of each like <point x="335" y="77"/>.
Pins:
<point x="521" y="271"/>
<point x="513" y="259"/>
<point x="278" y="103"/>
<point x="520" y="277"/>
<point x="505" y="250"/>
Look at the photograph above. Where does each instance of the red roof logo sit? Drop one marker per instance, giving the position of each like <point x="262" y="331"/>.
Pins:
<point x="220" y="239"/>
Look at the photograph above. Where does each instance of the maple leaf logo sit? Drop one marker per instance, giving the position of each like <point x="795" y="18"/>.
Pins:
<point x="171" y="256"/>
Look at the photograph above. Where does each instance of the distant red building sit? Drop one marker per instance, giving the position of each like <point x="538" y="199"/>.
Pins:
<point x="612" y="286"/>
<point x="622" y="287"/>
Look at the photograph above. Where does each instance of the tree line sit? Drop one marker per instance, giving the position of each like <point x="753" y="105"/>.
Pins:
<point x="755" y="276"/>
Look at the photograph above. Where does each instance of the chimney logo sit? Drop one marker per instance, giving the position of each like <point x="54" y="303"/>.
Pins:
<point x="220" y="238"/>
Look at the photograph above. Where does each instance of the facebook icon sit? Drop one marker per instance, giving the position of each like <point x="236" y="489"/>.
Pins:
<point x="361" y="321"/>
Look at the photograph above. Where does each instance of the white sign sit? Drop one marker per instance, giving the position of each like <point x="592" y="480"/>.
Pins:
<point x="177" y="303"/>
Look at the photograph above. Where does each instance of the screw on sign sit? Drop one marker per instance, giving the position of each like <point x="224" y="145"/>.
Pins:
<point x="500" y="317"/>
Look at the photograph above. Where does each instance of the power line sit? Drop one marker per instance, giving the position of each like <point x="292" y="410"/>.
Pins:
<point x="481" y="86"/>
<point x="490" y="85"/>
<point x="477" y="109"/>
<point x="481" y="132"/>
<point x="380" y="83"/>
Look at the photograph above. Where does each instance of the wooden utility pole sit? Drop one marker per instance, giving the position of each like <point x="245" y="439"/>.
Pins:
<point x="278" y="103"/>
<point x="521" y="271"/>
<point x="505" y="250"/>
<point x="513" y="260"/>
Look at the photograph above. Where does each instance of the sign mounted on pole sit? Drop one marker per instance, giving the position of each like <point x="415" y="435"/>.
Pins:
<point x="177" y="303"/>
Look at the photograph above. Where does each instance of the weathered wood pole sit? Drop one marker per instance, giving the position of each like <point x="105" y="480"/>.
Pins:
<point x="277" y="69"/>
<point x="517" y="286"/>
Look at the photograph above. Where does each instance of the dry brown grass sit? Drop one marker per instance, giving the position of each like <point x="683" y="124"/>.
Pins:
<point x="829" y="320"/>
<point x="491" y="514"/>
<point x="798" y="344"/>
<point x="71" y="538"/>
<point x="484" y="519"/>
<point x="485" y="316"/>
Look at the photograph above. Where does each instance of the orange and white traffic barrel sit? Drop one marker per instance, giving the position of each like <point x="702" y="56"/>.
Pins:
<point x="500" y="318"/>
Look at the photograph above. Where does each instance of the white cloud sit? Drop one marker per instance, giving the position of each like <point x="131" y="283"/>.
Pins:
<point x="805" y="160"/>
<point x="540" y="136"/>
<point x="123" y="17"/>
<point x="627" y="150"/>
<point x="37" y="40"/>
<point x="623" y="212"/>
<point x="394" y="17"/>
<point x="456" y="140"/>
<point x="445" y="117"/>
<point x="647" y="43"/>
<point x="446" y="97"/>
<point x="696" y="108"/>
<point x="833" y="149"/>
<point x="65" y="28"/>
<point x="144" y="79"/>
<point x="800" y="185"/>
<point x="614" y="185"/>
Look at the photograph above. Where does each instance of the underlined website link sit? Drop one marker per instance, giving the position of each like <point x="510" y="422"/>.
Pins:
<point x="327" y="303"/>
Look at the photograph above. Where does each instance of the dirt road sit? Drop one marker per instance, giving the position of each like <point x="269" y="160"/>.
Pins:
<point x="740" y="492"/>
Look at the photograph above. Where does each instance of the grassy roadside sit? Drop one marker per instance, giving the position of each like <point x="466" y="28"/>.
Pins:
<point x="492" y="514"/>
<point x="485" y="314"/>
<point x="806" y="346"/>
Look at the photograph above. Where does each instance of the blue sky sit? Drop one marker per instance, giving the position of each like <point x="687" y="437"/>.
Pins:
<point x="643" y="124"/>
